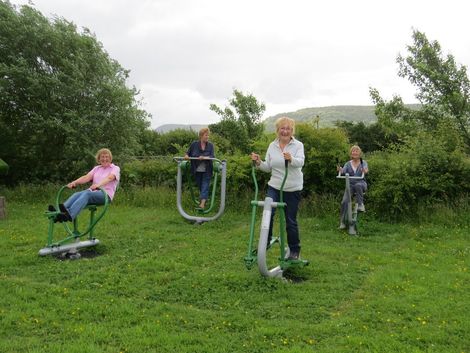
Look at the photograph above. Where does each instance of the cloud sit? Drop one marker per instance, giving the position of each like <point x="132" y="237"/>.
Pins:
<point x="184" y="55"/>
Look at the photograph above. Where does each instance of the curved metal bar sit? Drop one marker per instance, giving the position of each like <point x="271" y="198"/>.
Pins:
<point x="268" y="204"/>
<point x="75" y="233"/>
<point x="179" y="183"/>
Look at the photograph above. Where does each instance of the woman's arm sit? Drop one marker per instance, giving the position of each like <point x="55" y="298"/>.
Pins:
<point x="103" y="182"/>
<point x="297" y="159"/>
<point x="82" y="180"/>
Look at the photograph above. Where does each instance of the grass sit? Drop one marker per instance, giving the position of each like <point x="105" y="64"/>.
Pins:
<point x="159" y="284"/>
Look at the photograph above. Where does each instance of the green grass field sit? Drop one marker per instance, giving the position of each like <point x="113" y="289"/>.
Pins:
<point x="159" y="284"/>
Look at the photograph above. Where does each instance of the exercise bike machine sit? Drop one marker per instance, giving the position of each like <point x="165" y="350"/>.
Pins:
<point x="349" y="216"/>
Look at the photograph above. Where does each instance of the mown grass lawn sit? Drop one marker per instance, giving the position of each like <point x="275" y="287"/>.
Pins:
<point x="159" y="284"/>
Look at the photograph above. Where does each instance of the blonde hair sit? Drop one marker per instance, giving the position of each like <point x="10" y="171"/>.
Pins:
<point x="285" y="120"/>
<point x="203" y="131"/>
<point x="355" y="147"/>
<point x="103" y="151"/>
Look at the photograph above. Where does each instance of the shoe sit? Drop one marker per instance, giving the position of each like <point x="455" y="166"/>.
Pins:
<point x="51" y="208"/>
<point x="361" y="208"/>
<point x="65" y="212"/>
<point x="60" y="218"/>
<point x="293" y="255"/>
<point x="342" y="226"/>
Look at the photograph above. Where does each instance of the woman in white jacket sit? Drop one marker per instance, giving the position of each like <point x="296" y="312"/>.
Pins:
<point x="285" y="147"/>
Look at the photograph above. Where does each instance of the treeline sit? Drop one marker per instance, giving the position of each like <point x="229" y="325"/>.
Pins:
<point x="62" y="97"/>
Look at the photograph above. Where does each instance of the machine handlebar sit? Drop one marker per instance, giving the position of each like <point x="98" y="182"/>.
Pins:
<point x="339" y="176"/>
<point x="179" y="159"/>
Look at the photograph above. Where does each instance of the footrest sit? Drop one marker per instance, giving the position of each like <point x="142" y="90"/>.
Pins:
<point x="294" y="263"/>
<point x="59" y="249"/>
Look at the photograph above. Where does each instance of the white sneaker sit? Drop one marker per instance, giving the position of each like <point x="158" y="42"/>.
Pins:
<point x="342" y="226"/>
<point x="361" y="208"/>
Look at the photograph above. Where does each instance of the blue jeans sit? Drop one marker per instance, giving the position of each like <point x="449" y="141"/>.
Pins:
<point x="203" y="181"/>
<point x="292" y="200"/>
<point x="79" y="200"/>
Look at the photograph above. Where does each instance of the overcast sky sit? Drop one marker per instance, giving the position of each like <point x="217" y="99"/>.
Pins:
<point x="186" y="54"/>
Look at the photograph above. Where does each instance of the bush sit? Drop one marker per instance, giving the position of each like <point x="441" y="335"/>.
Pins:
<point x="322" y="148"/>
<point x="421" y="173"/>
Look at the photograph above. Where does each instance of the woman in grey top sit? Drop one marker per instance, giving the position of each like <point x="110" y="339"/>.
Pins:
<point x="285" y="147"/>
<point x="356" y="167"/>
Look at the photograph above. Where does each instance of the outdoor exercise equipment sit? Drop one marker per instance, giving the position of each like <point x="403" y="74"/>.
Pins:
<point x="219" y="172"/>
<point x="259" y="255"/>
<point x="72" y="241"/>
<point x="349" y="215"/>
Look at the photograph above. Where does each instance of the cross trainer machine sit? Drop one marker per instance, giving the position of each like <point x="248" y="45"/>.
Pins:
<point x="219" y="172"/>
<point x="260" y="254"/>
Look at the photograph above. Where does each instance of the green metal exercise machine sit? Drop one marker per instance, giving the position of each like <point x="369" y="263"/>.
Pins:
<point x="70" y="244"/>
<point x="219" y="172"/>
<point x="280" y="252"/>
<point x="349" y="215"/>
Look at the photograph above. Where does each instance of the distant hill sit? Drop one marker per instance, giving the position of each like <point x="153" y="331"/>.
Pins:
<point x="327" y="116"/>
<point x="170" y="127"/>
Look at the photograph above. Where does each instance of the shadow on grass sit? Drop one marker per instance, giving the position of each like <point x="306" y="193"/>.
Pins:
<point x="83" y="254"/>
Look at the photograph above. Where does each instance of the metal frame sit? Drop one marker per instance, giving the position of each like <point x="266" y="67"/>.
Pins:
<point x="222" y="168"/>
<point x="71" y="243"/>
<point x="349" y="218"/>
<point x="259" y="255"/>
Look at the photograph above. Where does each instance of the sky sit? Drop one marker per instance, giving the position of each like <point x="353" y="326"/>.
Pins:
<point x="184" y="55"/>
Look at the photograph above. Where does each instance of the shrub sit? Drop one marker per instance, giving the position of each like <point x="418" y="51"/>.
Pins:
<point x="424" y="171"/>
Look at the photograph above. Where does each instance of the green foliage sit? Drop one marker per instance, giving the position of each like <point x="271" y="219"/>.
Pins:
<point x="241" y="121"/>
<point x="370" y="138"/>
<point x="322" y="147"/>
<point x="232" y="132"/>
<point x="149" y="172"/>
<point x="61" y="98"/>
<point x="3" y="167"/>
<point x="443" y="87"/>
<point x="395" y="119"/>
<point x="426" y="170"/>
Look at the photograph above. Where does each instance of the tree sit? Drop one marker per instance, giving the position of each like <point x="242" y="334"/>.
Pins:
<point x="61" y="98"/>
<point x="370" y="137"/>
<point x="241" y="124"/>
<point x="443" y="86"/>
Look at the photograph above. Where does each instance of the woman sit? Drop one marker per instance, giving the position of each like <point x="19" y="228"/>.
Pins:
<point x="285" y="148"/>
<point x="105" y="175"/>
<point x="355" y="167"/>
<point x="202" y="169"/>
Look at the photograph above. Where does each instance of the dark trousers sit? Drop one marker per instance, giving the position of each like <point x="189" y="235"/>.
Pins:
<point x="292" y="200"/>
<point x="203" y="181"/>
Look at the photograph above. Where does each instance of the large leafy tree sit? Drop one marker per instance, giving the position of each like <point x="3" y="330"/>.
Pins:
<point x="443" y="85"/>
<point x="370" y="137"/>
<point x="443" y="89"/>
<point x="241" y="121"/>
<point x="61" y="98"/>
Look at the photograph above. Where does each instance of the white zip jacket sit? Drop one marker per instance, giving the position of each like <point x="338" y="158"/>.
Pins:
<point x="274" y="163"/>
